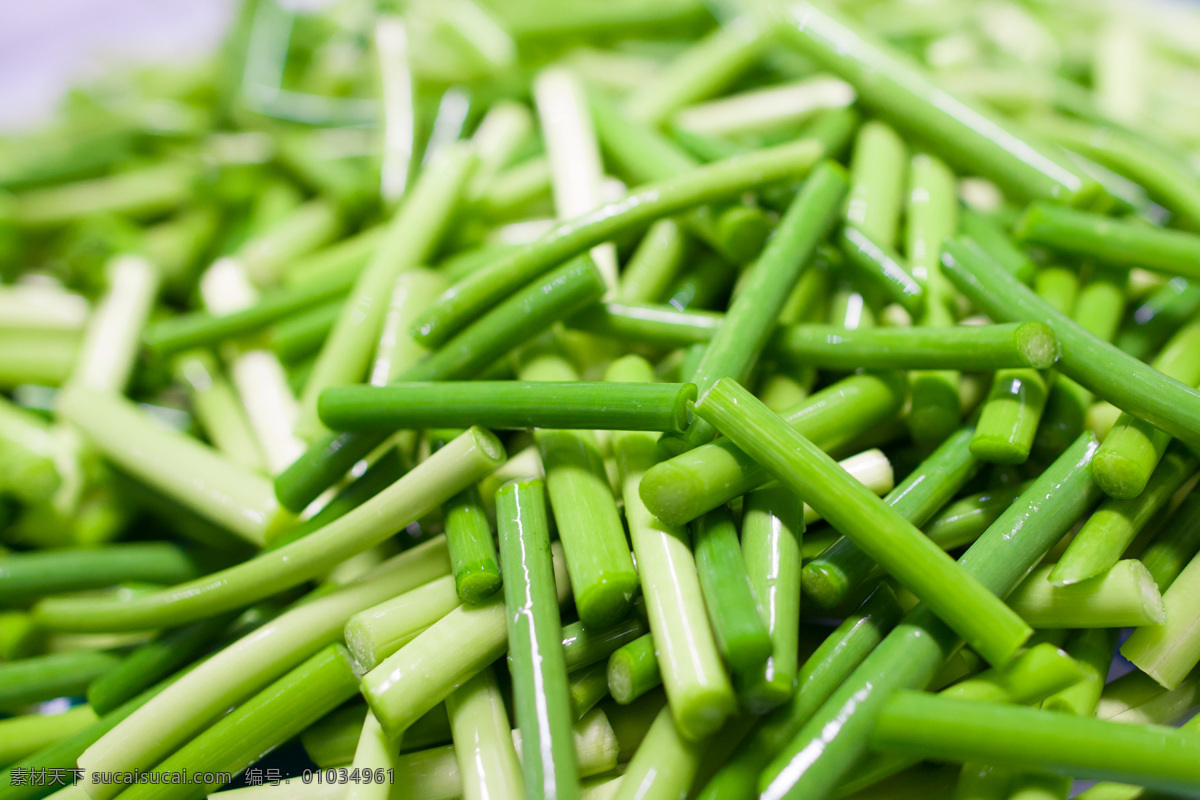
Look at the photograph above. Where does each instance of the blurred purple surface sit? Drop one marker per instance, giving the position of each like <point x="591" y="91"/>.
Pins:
<point x="48" y="45"/>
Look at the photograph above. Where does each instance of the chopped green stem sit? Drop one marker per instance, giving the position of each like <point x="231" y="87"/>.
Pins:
<point x="701" y="71"/>
<point x="974" y="347"/>
<point x="834" y="660"/>
<point x="1167" y="651"/>
<point x="508" y="325"/>
<point x="398" y="107"/>
<point x="373" y="751"/>
<point x="835" y="574"/>
<point x="412" y="236"/>
<point x="932" y="215"/>
<point x="154" y="661"/>
<point x="515" y="189"/>
<point x="230" y="676"/>
<point x="1010" y="416"/>
<point x="271" y="253"/>
<point x="643" y="154"/>
<point x="29" y="575"/>
<point x="697" y="686"/>
<point x="585" y="645"/>
<point x="540" y="699"/>
<point x="1012" y="412"/>
<point x="456" y="466"/>
<point x="1093" y="652"/>
<point x="332" y="740"/>
<point x="110" y="343"/>
<point x="1171" y="550"/>
<point x="27" y="681"/>
<point x="917" y="563"/>
<point x="29" y="448"/>
<point x="1165" y="178"/>
<point x="882" y="267"/>
<point x="652" y="324"/>
<point x="1110" y="374"/>
<point x="143" y="192"/>
<point x="1110" y="241"/>
<point x="262" y="723"/>
<point x="375" y="633"/>
<point x="300" y="336"/>
<point x="1010" y="736"/>
<point x="902" y="93"/>
<point x="473" y="556"/>
<point x="987" y="234"/>
<point x="20" y="736"/>
<point x="912" y="653"/>
<point x="502" y="134"/>
<point x="40" y="358"/>
<point x="218" y="409"/>
<point x="703" y="286"/>
<point x="1027" y="679"/>
<point x="433" y="774"/>
<point x="204" y="328"/>
<point x="1137" y="698"/>
<point x="770" y="109"/>
<point x="576" y="171"/>
<point x="681" y="489"/>
<point x="665" y="764"/>
<point x="1122" y="596"/>
<point x="1153" y="322"/>
<point x="654" y="265"/>
<point x="34" y="307"/>
<point x="386" y="470"/>
<point x="1099" y="307"/>
<point x="587" y="687"/>
<point x="64" y="753"/>
<point x="772" y="532"/>
<point x="739" y="340"/>
<point x="418" y="676"/>
<point x="483" y="289"/>
<point x="346" y="259"/>
<point x="633" y="670"/>
<point x="603" y="578"/>
<point x="1115" y="524"/>
<point x="876" y="193"/>
<point x="733" y="608"/>
<point x="510" y="404"/>
<point x="1133" y="448"/>
<point x="483" y="740"/>
<point x="182" y="468"/>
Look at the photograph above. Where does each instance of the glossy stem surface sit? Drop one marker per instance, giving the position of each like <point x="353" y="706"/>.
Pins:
<point x="814" y="762"/>
<point x="682" y="488"/>
<point x="509" y="404"/>
<point x="1111" y="374"/>
<point x="508" y="325"/>
<point x="843" y="567"/>
<point x="987" y="624"/>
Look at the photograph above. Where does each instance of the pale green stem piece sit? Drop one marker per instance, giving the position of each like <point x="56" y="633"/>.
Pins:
<point x="441" y="659"/>
<point x="180" y="467"/>
<point x="483" y="742"/>
<point x="381" y="630"/>
<point x="411" y="237"/>
<point x="204" y="693"/>
<point x="459" y="464"/>
<point x="1167" y="652"/>
<point x="1124" y="596"/>
<point x="113" y="335"/>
